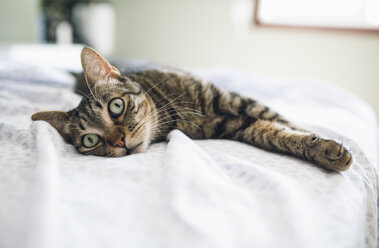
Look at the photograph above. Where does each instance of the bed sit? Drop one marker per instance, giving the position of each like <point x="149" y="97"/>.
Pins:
<point x="183" y="192"/>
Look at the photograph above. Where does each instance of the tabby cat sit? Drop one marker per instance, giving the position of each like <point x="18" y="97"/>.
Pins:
<point x="123" y="114"/>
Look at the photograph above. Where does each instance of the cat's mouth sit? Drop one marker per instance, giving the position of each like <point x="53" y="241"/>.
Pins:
<point x="135" y="149"/>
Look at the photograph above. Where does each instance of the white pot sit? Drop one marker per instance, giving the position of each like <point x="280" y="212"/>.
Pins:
<point x="95" y="25"/>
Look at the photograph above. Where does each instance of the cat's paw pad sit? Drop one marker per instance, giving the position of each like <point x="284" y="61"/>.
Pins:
<point x="332" y="155"/>
<point x="333" y="151"/>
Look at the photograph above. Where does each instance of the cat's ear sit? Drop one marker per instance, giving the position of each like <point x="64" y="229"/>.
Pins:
<point x="58" y="119"/>
<point x="96" y="68"/>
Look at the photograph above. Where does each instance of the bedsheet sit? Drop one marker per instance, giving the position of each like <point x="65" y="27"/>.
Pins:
<point x="185" y="193"/>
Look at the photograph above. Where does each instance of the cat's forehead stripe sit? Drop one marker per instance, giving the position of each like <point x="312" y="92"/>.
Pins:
<point x="81" y="125"/>
<point x="99" y="105"/>
<point x="87" y="114"/>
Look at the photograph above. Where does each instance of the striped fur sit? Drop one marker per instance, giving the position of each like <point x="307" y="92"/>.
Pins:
<point x="160" y="101"/>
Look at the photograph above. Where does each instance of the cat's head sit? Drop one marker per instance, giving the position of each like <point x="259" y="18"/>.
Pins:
<point x="115" y="119"/>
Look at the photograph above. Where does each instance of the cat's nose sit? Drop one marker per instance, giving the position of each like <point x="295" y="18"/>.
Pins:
<point x="118" y="141"/>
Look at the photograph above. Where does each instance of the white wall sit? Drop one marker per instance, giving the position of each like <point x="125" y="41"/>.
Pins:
<point x="200" y="33"/>
<point x="18" y="21"/>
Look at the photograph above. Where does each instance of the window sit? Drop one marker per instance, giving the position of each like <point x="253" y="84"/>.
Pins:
<point x="341" y="14"/>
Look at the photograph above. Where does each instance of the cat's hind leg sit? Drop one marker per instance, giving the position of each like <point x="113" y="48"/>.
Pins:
<point x="249" y="121"/>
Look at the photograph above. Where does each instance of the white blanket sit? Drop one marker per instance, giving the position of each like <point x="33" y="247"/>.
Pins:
<point x="184" y="193"/>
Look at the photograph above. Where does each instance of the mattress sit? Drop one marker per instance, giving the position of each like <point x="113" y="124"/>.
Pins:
<point x="183" y="192"/>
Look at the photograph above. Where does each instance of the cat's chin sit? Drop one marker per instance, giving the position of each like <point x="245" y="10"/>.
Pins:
<point x="138" y="148"/>
<point x="118" y="153"/>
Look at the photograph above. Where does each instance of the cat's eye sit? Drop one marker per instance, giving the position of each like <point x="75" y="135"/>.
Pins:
<point x="116" y="107"/>
<point x="90" y="140"/>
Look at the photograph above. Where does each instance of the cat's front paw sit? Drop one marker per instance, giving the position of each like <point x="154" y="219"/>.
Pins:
<point x="330" y="154"/>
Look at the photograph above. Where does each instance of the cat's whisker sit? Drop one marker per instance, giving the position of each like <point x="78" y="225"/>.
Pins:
<point x="155" y="85"/>
<point x="147" y="118"/>
<point x="160" y="121"/>
<point x="182" y="112"/>
<point x="175" y="99"/>
<point x="194" y="111"/>
<point x="176" y="110"/>
<point x="92" y="92"/>
<point x="188" y="121"/>
<point x="159" y="110"/>
<point x="84" y="94"/>
<point x="189" y="103"/>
